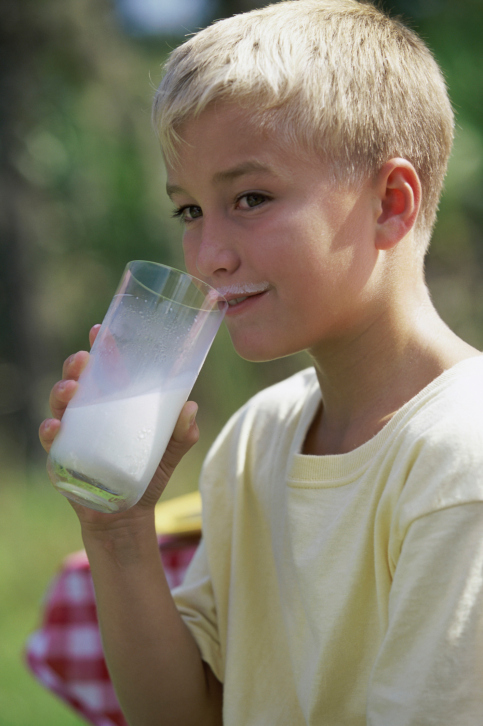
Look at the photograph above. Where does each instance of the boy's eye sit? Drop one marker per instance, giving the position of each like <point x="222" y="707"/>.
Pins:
<point x="188" y="213"/>
<point x="254" y="199"/>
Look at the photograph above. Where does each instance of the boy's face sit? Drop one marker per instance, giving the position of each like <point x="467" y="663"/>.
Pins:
<point x="264" y="226"/>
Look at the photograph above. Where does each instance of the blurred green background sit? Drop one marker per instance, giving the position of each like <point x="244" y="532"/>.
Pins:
<point x="82" y="193"/>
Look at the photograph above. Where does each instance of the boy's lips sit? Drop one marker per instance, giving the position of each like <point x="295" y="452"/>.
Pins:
<point x="240" y="296"/>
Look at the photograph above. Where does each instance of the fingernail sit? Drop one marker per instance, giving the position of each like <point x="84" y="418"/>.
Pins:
<point x="192" y="418"/>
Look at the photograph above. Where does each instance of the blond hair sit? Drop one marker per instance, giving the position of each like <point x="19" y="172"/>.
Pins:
<point x="338" y="77"/>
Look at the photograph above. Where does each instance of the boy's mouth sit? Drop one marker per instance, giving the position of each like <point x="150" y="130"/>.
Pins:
<point x="236" y="301"/>
<point x="236" y="295"/>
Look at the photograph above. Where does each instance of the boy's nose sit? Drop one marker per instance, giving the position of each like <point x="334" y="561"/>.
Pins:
<point x="216" y="255"/>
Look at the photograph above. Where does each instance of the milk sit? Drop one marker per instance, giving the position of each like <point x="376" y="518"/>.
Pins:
<point x="116" y="445"/>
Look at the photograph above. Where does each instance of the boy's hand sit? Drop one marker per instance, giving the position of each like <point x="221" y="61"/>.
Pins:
<point x="185" y="434"/>
<point x="63" y="391"/>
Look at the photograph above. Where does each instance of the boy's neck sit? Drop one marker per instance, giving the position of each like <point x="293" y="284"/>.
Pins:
<point x="367" y="379"/>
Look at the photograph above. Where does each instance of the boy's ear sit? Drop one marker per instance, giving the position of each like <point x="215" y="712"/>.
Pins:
<point x="398" y="198"/>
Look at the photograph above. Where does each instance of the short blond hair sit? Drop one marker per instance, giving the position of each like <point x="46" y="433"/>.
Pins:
<point x="339" y="77"/>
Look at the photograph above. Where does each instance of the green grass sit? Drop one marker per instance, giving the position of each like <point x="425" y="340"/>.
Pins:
<point x="37" y="530"/>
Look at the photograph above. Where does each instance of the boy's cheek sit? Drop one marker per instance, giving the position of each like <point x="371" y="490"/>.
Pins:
<point x="190" y="259"/>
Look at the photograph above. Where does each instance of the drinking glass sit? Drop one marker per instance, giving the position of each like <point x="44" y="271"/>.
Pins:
<point x="143" y="364"/>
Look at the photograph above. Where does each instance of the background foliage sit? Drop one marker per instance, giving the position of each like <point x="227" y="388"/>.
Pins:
<point x="81" y="193"/>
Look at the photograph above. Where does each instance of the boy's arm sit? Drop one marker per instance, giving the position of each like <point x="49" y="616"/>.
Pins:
<point x="429" y="669"/>
<point x="154" y="662"/>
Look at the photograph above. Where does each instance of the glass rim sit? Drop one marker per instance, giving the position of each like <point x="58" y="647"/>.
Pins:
<point x="206" y="287"/>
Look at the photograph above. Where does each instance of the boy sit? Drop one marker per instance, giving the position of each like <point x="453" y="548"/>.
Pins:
<point x="339" y="581"/>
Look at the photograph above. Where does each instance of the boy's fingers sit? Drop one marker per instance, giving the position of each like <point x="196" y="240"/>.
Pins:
<point x="47" y="432"/>
<point x="74" y="365"/>
<point x="60" y="395"/>
<point x="185" y="434"/>
<point x="185" y="422"/>
<point x="93" y="333"/>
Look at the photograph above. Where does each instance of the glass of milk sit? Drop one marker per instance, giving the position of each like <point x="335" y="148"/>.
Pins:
<point x="143" y="364"/>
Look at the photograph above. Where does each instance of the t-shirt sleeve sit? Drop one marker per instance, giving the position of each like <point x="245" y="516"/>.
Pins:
<point x="429" y="670"/>
<point x="196" y="603"/>
<point x="202" y="598"/>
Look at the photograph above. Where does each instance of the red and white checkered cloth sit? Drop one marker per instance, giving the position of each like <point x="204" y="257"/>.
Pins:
<point x="65" y="653"/>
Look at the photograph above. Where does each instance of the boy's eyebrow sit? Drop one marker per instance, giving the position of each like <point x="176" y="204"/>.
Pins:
<point x="246" y="168"/>
<point x="227" y="175"/>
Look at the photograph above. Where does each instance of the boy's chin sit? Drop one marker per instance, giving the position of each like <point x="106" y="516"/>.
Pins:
<point x="260" y="353"/>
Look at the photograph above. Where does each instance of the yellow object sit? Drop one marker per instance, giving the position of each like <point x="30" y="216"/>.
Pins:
<point x="181" y="515"/>
<point x="347" y="588"/>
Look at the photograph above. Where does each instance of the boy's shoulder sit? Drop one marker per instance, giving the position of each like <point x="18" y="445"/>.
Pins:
<point x="439" y="447"/>
<point x="272" y="414"/>
<point x="283" y="401"/>
<point x="444" y="421"/>
<point x="282" y="396"/>
<point x="454" y="400"/>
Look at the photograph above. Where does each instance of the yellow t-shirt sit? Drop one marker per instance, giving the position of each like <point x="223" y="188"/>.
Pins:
<point x="345" y="590"/>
